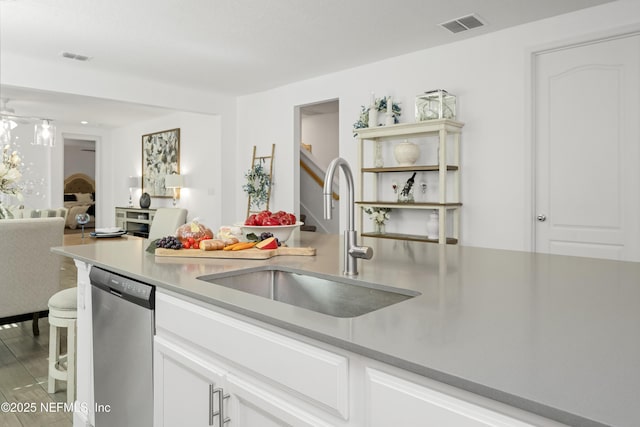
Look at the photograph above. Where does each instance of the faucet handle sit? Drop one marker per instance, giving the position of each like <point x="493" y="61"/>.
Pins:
<point x="364" y="252"/>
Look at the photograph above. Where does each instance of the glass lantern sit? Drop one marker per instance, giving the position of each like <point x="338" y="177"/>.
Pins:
<point x="435" y="104"/>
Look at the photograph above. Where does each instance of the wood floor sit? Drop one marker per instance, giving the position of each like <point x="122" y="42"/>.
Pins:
<point x="23" y="373"/>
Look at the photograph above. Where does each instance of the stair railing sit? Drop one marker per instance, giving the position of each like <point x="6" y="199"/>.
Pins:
<point x="309" y="170"/>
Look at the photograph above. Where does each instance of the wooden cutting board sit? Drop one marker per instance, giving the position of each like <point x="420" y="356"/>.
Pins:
<point x="252" y="253"/>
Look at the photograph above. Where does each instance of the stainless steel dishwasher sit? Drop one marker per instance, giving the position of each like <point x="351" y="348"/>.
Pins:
<point x="123" y="328"/>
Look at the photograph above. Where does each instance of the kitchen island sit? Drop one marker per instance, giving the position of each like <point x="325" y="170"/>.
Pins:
<point x="551" y="335"/>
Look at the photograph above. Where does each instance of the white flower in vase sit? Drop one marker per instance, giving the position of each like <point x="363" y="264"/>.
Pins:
<point x="379" y="216"/>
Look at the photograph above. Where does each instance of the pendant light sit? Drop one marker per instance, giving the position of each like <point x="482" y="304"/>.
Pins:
<point x="6" y="126"/>
<point x="44" y="133"/>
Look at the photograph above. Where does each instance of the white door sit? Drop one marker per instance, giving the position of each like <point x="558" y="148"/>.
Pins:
<point x="587" y="138"/>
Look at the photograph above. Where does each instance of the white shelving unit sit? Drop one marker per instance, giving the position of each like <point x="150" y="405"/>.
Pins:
<point x="446" y="163"/>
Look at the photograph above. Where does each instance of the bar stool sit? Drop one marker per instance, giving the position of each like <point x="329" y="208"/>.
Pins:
<point x="63" y="313"/>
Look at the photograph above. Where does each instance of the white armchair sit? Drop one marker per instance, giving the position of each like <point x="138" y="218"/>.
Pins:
<point x="29" y="271"/>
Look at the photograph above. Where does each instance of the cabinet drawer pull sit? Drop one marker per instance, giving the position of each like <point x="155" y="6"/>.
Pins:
<point x="212" y="414"/>
<point x="221" y="398"/>
<point x="220" y="412"/>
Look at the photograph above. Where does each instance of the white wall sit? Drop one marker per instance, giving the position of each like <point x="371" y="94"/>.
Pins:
<point x="321" y="132"/>
<point x="491" y="77"/>
<point x="200" y="155"/>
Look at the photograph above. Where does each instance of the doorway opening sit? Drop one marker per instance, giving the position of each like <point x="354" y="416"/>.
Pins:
<point x="318" y="137"/>
<point x="79" y="181"/>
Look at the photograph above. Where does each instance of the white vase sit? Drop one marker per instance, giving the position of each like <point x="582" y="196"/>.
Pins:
<point x="406" y="153"/>
<point x="378" y="161"/>
<point x="433" y="226"/>
<point x="373" y="117"/>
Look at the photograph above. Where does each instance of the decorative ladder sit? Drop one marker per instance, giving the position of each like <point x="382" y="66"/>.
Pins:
<point x="255" y="159"/>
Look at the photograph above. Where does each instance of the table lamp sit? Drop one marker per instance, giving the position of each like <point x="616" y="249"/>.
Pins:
<point x="175" y="182"/>
<point x="134" y="182"/>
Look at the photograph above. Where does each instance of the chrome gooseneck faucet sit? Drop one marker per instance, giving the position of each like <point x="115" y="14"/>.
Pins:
<point x="351" y="249"/>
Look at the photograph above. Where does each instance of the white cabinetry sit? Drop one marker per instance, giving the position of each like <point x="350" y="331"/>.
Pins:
<point x="270" y="380"/>
<point x="204" y="358"/>
<point x="441" y="158"/>
<point x="196" y="390"/>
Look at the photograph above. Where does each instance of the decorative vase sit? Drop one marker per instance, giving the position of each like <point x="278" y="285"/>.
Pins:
<point x="378" y="161"/>
<point x="145" y="200"/>
<point x="406" y="153"/>
<point x="433" y="226"/>
<point x="378" y="227"/>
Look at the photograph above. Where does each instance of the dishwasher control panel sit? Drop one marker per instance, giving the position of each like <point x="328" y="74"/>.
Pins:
<point x="131" y="290"/>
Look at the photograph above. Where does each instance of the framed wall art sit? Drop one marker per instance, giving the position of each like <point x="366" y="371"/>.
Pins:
<point x="160" y="157"/>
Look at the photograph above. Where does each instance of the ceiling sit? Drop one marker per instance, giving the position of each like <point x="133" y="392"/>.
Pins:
<point x="232" y="46"/>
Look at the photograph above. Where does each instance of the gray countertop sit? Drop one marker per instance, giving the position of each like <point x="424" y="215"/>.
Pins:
<point x="554" y="335"/>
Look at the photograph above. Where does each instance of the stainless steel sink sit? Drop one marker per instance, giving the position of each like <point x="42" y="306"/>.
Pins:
<point x="338" y="297"/>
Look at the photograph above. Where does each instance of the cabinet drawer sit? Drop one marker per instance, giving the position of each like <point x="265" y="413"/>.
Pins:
<point x="414" y="404"/>
<point x="319" y="375"/>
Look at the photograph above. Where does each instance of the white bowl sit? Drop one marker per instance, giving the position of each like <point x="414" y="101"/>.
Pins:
<point x="281" y="232"/>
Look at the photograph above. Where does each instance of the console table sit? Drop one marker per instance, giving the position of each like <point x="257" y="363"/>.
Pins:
<point x="136" y="221"/>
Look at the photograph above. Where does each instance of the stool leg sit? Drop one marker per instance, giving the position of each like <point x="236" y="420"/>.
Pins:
<point x="71" y="362"/>
<point x="54" y="354"/>
<point x="35" y="326"/>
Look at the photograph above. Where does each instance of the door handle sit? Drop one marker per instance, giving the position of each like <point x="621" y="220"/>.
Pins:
<point x="541" y="217"/>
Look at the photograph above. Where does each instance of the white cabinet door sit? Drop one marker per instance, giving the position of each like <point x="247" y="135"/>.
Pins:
<point x="185" y="388"/>
<point x="392" y="401"/>
<point x="587" y="103"/>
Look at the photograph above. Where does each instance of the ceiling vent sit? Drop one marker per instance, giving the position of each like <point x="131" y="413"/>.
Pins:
<point x="75" y="56"/>
<point x="464" y="23"/>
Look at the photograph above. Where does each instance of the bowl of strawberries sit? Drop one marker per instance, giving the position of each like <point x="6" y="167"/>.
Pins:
<point x="280" y="224"/>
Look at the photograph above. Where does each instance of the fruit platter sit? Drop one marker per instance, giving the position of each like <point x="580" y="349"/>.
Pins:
<point x="248" y="240"/>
